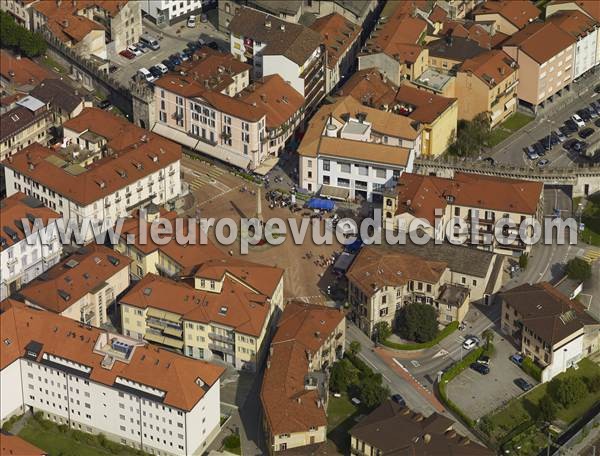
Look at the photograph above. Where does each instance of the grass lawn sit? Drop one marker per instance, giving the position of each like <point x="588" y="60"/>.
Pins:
<point x="52" y="64"/>
<point x="508" y="127"/>
<point x="57" y="443"/>
<point x="341" y="416"/>
<point x="591" y="219"/>
<point x="524" y="408"/>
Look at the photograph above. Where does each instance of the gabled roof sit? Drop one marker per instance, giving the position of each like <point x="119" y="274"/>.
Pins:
<point x="492" y="67"/>
<point x="575" y="23"/>
<point x="454" y="48"/>
<point x="541" y="41"/>
<point x="57" y="93"/>
<point x="22" y="71"/>
<point x="517" y="12"/>
<point x="590" y="7"/>
<point x="338" y="35"/>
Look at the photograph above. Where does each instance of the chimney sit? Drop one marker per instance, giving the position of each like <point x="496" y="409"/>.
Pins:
<point x="268" y="23"/>
<point x="282" y="27"/>
<point x="427" y="438"/>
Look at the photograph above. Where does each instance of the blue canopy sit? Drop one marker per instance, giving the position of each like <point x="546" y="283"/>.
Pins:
<point x="355" y="246"/>
<point x="318" y="203"/>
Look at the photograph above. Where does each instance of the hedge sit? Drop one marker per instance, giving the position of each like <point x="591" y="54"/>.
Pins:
<point x="441" y="335"/>
<point x="529" y="366"/>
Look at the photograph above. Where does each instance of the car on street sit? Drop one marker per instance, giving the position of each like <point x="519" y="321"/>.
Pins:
<point x="586" y="132"/>
<point x="170" y="65"/>
<point x="191" y="22"/>
<point x="175" y="59"/>
<point x="193" y="46"/>
<point x="584" y="114"/>
<point x="399" y="400"/>
<point x="481" y="368"/>
<point x="142" y="47"/>
<point x="484" y="359"/>
<point x="145" y="74"/>
<point x="595" y="106"/>
<point x="567" y="131"/>
<point x="517" y="359"/>
<point x="490" y="161"/>
<point x="579" y="147"/>
<point x="133" y="49"/>
<point x="578" y="120"/>
<point x="523" y="384"/>
<point x="593" y="109"/>
<point x="470" y="342"/>
<point x="127" y="54"/>
<point x="543" y="162"/>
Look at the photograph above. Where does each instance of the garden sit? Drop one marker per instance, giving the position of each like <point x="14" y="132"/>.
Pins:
<point x="590" y="217"/>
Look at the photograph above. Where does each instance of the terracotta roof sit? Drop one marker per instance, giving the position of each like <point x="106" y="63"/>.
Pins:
<point x="294" y="41"/>
<point x="492" y="67"/>
<point x="426" y="107"/>
<point x="438" y="14"/>
<point x="20" y="118"/>
<point x="471" y="30"/>
<point x="517" y="12"/>
<point x="338" y="35"/>
<point x="13" y="445"/>
<point x="420" y="195"/>
<point x="22" y="71"/>
<point x="590" y="7"/>
<point x="149" y="365"/>
<point x="185" y="255"/>
<point x="454" y="48"/>
<point x="397" y="430"/>
<point x="103" y="177"/>
<point x="369" y="87"/>
<point x="82" y="272"/>
<point x="275" y="97"/>
<point x="541" y="40"/>
<point x="366" y="151"/>
<point x="17" y="207"/>
<point x="72" y="27"/>
<point x="57" y="93"/>
<point x="11" y="99"/>
<point x="247" y="311"/>
<point x="546" y="311"/>
<point x="374" y="269"/>
<point x="575" y="23"/>
<point x="287" y="405"/>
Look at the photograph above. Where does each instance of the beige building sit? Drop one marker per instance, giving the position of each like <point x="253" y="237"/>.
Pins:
<point x="384" y="279"/>
<point x="82" y="286"/>
<point x="476" y="202"/>
<point x="507" y="16"/>
<point x="545" y="56"/>
<point x="548" y="327"/>
<point x="26" y="123"/>
<point x="294" y="393"/>
<point x="222" y="309"/>
<point x="487" y="84"/>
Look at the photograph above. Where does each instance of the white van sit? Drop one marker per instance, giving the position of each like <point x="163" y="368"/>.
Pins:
<point x="150" y="41"/>
<point x="143" y="73"/>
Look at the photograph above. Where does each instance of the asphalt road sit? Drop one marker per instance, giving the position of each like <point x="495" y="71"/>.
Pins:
<point x="548" y="119"/>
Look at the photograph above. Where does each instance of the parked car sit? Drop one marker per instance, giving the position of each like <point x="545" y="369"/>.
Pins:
<point x="568" y="145"/>
<point x="145" y="74"/>
<point x="546" y="142"/>
<point x="112" y="68"/>
<point x="191" y="22"/>
<point x="170" y="65"/>
<point x="127" y="54"/>
<point x="593" y="109"/>
<point x="586" y="132"/>
<point x="203" y="18"/>
<point x="490" y="161"/>
<point x="567" y="131"/>
<point x="104" y="104"/>
<point x="531" y="153"/>
<point x="578" y="121"/>
<point x="481" y="368"/>
<point x="543" y="162"/>
<point x="133" y="49"/>
<point x="584" y="114"/>
<point x="213" y="45"/>
<point x="185" y="55"/>
<point x="142" y="47"/>
<point x="597" y="122"/>
<point x="399" y="400"/>
<point x="597" y="88"/>
<point x="594" y="105"/>
<point x="175" y="59"/>
<point x="484" y="359"/>
<point x="571" y="125"/>
<point x="560" y="135"/>
<point x="523" y="384"/>
<point x="162" y="67"/>
<point x="155" y="72"/>
<point x="539" y="148"/>
<point x="579" y="147"/>
<point x="554" y="138"/>
<point x="517" y="359"/>
<point x="193" y="45"/>
<point x="470" y="342"/>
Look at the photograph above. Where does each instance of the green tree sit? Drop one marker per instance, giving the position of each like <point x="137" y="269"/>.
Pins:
<point x="418" y="322"/>
<point x="383" y="330"/>
<point x="523" y="260"/>
<point x="13" y="35"/>
<point x="354" y="347"/>
<point x="32" y="44"/>
<point x="567" y="391"/>
<point x="472" y="136"/>
<point x="593" y="383"/>
<point x="579" y="269"/>
<point x="488" y="336"/>
<point x="338" y="381"/>
<point x="371" y="391"/>
<point x="547" y="408"/>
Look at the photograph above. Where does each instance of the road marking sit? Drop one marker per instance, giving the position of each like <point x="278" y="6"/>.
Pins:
<point x="227" y="404"/>
<point x="374" y="367"/>
<point x="442" y="352"/>
<point x="415" y="363"/>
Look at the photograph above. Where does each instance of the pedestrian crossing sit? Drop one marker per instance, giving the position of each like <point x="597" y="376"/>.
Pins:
<point x="207" y="177"/>
<point x="591" y="255"/>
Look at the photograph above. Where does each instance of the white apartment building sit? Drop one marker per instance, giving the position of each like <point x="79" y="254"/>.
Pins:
<point x="107" y="168"/>
<point x="98" y="382"/>
<point x="82" y="286"/>
<point x="167" y="12"/>
<point x="351" y="151"/>
<point x="23" y="258"/>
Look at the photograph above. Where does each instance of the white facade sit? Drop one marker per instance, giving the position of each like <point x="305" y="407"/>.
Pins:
<point x="564" y="355"/>
<point x="23" y="261"/>
<point x="168" y="11"/>
<point x="586" y="53"/>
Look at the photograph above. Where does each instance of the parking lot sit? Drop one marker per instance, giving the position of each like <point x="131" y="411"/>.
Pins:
<point x="172" y="39"/>
<point x="477" y="394"/>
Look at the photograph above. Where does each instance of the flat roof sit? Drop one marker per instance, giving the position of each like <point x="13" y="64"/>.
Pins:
<point x="433" y="79"/>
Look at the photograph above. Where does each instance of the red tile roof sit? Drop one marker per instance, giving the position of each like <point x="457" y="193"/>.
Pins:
<point x="149" y="365"/>
<point x="517" y="12"/>
<point x="338" y="35"/>
<point x="575" y="23"/>
<point x="541" y="40"/>
<point x="287" y="405"/>
<point x="492" y="67"/>
<point x="590" y="7"/>
<point x="22" y="71"/>
<point x="13" y="445"/>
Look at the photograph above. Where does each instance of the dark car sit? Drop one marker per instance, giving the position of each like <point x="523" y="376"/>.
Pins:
<point x="597" y="88"/>
<point x="175" y="59"/>
<point x="554" y="138"/>
<point x="399" y="400"/>
<point x="193" y="45"/>
<point x="490" y="161"/>
<point x="481" y="368"/>
<point x="170" y="65"/>
<point x="586" y="132"/>
<point x="594" y="105"/>
<point x="540" y="148"/>
<point x="568" y="144"/>
<point x="546" y="142"/>
<point x="597" y="122"/>
<point x="213" y="45"/>
<point x="570" y="123"/>
<point x="584" y="114"/>
<point x="523" y="384"/>
<point x="566" y="130"/>
<point x="580" y="147"/>
<point x="104" y="104"/>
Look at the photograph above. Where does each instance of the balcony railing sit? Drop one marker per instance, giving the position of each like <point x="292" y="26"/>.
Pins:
<point x="221" y="348"/>
<point x="221" y="338"/>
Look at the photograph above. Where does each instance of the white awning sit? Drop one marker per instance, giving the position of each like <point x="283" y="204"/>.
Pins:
<point x="212" y="151"/>
<point x="266" y="166"/>
<point x="510" y="103"/>
<point x="339" y="193"/>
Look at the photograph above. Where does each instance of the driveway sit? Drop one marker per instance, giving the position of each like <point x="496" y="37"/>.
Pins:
<point x="477" y="394"/>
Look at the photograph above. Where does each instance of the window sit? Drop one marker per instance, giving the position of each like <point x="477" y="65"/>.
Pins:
<point x="326" y="165"/>
<point x="345" y="167"/>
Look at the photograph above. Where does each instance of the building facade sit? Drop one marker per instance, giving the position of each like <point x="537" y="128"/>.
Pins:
<point x="167" y="12"/>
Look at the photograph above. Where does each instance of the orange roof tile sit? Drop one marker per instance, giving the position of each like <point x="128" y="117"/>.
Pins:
<point x="575" y="23"/>
<point x="149" y="365"/>
<point x="425" y="107"/>
<point x="590" y="7"/>
<point x="541" y="40"/>
<point x="369" y="87"/>
<point x="338" y="35"/>
<point x="491" y="67"/>
<point x="288" y="406"/>
<point x="22" y="71"/>
<point x="517" y="12"/>
<point x="13" y="445"/>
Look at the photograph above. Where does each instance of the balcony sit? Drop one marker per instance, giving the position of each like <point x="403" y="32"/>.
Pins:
<point x="222" y="349"/>
<point x="222" y="338"/>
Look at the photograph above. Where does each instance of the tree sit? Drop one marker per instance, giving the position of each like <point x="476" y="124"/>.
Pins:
<point x="567" y="391"/>
<point x="354" y="347"/>
<point x="579" y="269"/>
<point x="593" y="383"/>
<point x="472" y="136"/>
<point x="523" y="260"/>
<point x="13" y="35"/>
<point x="371" y="391"/>
<point x="547" y="408"/>
<point x="383" y="330"/>
<point x="418" y="322"/>
<point x="488" y="336"/>
<point x="338" y="381"/>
